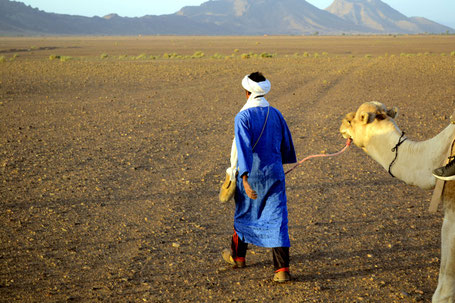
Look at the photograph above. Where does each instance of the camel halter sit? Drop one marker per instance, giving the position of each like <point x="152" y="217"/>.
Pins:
<point x="348" y="143"/>
<point x="395" y="150"/>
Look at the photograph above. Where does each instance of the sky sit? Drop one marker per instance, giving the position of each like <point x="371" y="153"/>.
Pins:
<point x="442" y="11"/>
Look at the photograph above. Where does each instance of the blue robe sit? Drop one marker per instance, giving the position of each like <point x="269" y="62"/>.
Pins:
<point x="264" y="221"/>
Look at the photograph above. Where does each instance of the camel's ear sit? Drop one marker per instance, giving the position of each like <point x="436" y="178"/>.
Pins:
<point x="367" y="117"/>
<point x="393" y="112"/>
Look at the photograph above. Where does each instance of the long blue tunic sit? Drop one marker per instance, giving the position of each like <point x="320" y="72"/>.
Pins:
<point x="264" y="221"/>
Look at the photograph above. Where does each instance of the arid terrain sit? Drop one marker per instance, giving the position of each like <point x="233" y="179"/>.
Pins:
<point x="112" y="151"/>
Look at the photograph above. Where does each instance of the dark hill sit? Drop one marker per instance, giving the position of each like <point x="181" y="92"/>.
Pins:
<point x="18" y="19"/>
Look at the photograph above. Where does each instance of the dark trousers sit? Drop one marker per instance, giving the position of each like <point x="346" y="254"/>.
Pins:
<point x="280" y="254"/>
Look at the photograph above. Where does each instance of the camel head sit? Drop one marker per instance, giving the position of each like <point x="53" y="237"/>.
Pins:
<point x="369" y="119"/>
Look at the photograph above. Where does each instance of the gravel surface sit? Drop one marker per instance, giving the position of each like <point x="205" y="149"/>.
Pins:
<point x="110" y="169"/>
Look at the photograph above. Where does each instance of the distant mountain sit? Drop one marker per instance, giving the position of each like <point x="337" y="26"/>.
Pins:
<point x="379" y="17"/>
<point x="225" y="17"/>
<point x="257" y="17"/>
<point x="428" y="26"/>
<point x="18" y="19"/>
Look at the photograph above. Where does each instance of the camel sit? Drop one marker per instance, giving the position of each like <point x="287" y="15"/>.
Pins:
<point x="372" y="128"/>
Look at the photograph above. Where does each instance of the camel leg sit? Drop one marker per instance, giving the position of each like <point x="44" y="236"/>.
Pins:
<point x="445" y="292"/>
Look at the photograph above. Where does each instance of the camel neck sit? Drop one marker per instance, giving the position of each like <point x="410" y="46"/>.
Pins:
<point x="416" y="160"/>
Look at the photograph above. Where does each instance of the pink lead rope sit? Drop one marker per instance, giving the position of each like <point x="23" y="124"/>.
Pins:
<point x="348" y="143"/>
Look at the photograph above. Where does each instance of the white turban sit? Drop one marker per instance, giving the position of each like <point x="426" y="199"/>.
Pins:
<point x="256" y="88"/>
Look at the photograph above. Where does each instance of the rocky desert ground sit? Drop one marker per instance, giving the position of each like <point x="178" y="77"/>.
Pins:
<point x="112" y="151"/>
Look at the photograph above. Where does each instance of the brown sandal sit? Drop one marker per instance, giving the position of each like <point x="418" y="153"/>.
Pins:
<point x="228" y="258"/>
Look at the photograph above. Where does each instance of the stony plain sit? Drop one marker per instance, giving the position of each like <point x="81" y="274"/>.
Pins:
<point x="112" y="151"/>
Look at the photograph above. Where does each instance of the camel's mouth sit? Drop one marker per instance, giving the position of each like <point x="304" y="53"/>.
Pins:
<point x="346" y="135"/>
<point x="346" y="126"/>
<point x="344" y="130"/>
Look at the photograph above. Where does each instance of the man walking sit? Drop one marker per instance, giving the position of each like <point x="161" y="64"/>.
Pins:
<point x="263" y="143"/>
